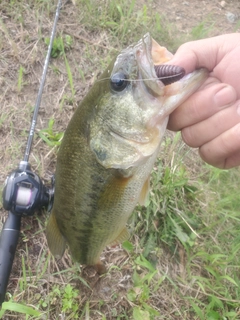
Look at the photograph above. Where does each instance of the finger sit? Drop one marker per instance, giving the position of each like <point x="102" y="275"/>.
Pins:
<point x="195" y="54"/>
<point x="211" y="98"/>
<point x="205" y="53"/>
<point x="232" y="161"/>
<point x="223" y="151"/>
<point x="207" y="130"/>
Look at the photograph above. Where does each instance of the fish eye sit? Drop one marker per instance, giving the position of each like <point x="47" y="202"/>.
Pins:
<point x="118" y="82"/>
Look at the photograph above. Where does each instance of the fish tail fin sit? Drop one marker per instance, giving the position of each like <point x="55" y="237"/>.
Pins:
<point x="55" y="240"/>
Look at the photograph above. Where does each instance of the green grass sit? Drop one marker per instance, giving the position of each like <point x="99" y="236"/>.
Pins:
<point x="198" y="222"/>
<point x="182" y="260"/>
<point x="49" y="136"/>
<point x="126" y="21"/>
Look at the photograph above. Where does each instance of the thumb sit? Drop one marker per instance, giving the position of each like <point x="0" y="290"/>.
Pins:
<point x="196" y="54"/>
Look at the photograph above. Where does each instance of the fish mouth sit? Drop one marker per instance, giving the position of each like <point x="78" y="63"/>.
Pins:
<point x="158" y="88"/>
<point x="166" y="82"/>
<point x="154" y="70"/>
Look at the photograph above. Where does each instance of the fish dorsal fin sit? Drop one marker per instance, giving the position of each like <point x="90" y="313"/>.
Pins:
<point x="123" y="235"/>
<point x="55" y="240"/>
<point x="144" y="193"/>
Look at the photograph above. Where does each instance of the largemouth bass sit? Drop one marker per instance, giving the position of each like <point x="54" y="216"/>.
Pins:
<point x="109" y="149"/>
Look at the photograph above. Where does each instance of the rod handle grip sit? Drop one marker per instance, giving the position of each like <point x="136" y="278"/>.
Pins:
<point x="8" y="244"/>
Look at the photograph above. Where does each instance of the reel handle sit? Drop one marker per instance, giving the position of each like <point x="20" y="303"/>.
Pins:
<point x="8" y="244"/>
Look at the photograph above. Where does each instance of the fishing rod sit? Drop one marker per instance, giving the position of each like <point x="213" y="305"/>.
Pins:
<point x="24" y="192"/>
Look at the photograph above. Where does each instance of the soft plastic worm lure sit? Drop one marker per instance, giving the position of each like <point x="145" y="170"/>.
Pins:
<point x="169" y="74"/>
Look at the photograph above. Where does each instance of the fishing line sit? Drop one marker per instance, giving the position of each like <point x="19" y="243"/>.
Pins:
<point x="24" y="192"/>
<point x="168" y="74"/>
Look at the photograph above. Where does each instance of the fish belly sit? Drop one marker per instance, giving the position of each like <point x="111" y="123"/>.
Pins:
<point x="92" y="213"/>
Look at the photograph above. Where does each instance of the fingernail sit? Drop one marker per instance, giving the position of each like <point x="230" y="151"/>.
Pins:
<point x="225" y="96"/>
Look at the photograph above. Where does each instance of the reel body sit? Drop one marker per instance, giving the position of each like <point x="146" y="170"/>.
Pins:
<point x="24" y="192"/>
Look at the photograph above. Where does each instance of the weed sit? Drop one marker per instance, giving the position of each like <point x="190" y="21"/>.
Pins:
<point x="60" y="45"/>
<point x="70" y="77"/>
<point x="19" y="308"/>
<point x="59" y="48"/>
<point x="49" y="136"/>
<point x="66" y="299"/>
<point x="140" y="294"/>
<point x="69" y="302"/>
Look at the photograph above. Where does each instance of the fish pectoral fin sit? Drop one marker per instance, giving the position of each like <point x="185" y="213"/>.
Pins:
<point x="55" y="240"/>
<point x="123" y="235"/>
<point x="144" y="193"/>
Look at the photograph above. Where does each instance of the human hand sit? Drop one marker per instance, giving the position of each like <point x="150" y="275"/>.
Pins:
<point x="210" y="118"/>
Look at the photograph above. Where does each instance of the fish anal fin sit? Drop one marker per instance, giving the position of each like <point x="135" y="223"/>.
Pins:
<point x="123" y="235"/>
<point x="144" y="193"/>
<point x="55" y="240"/>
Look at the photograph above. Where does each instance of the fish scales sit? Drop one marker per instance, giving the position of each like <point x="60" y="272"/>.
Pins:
<point x="100" y="195"/>
<point x="109" y="149"/>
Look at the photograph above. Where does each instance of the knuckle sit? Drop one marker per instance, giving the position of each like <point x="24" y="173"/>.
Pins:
<point x="188" y="136"/>
<point x="210" y="157"/>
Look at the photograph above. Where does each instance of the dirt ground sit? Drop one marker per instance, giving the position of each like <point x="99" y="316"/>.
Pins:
<point x="20" y="46"/>
<point x="223" y="16"/>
